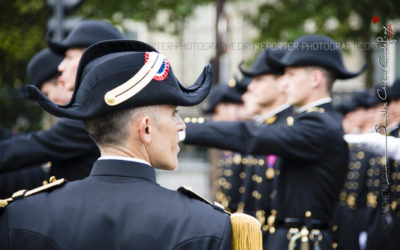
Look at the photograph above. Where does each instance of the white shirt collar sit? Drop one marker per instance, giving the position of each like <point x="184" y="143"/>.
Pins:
<point x="261" y="118"/>
<point x="313" y="104"/>
<point x="123" y="158"/>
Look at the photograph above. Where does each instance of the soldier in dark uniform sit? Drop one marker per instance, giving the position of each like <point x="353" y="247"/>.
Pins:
<point x="246" y="182"/>
<point x="313" y="153"/>
<point x="132" y="116"/>
<point x="273" y="110"/>
<point x="224" y="103"/>
<point x="381" y="216"/>
<point x="358" y="202"/>
<point x="66" y="146"/>
<point x="42" y="71"/>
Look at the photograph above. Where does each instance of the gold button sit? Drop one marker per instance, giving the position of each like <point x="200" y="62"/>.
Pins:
<point x="242" y="190"/>
<point x="290" y="121"/>
<point x="360" y="155"/>
<point x="228" y="172"/>
<point x="308" y="214"/>
<point x="372" y="161"/>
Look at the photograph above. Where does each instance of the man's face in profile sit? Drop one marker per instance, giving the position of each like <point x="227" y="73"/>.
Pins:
<point x="164" y="147"/>
<point x="68" y="68"/>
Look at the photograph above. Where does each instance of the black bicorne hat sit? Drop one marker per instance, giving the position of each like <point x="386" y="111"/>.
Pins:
<point x="224" y="93"/>
<point x="261" y="65"/>
<point x="43" y="66"/>
<point x="315" y="50"/>
<point x="393" y="92"/>
<point x="83" y="35"/>
<point x="367" y="98"/>
<point x="121" y="74"/>
<point x="346" y="106"/>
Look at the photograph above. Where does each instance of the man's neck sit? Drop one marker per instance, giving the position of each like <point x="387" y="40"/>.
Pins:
<point x="121" y="151"/>
<point x="270" y="108"/>
<point x="313" y="102"/>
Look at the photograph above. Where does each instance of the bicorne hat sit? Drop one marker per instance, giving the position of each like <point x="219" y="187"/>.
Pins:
<point x="43" y="66"/>
<point x="393" y="92"/>
<point x="315" y="50"/>
<point x="261" y="65"/>
<point x="83" y="35"/>
<point x="121" y="74"/>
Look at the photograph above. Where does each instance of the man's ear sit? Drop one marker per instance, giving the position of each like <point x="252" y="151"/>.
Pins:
<point x="145" y="130"/>
<point x="317" y="78"/>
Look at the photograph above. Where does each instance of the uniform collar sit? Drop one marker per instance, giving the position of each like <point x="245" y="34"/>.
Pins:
<point x="123" y="158"/>
<point x="261" y="118"/>
<point x="123" y="168"/>
<point x="314" y="104"/>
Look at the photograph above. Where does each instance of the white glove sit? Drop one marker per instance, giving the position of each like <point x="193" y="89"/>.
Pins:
<point x="376" y="143"/>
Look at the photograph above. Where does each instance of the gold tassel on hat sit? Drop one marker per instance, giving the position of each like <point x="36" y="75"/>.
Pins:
<point x="246" y="232"/>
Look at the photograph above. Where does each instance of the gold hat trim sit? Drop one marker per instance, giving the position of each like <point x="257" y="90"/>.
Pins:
<point x="135" y="84"/>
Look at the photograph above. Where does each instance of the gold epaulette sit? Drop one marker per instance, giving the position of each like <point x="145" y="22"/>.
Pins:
<point x="246" y="230"/>
<point x="271" y="120"/>
<point x="24" y="193"/>
<point x="316" y="109"/>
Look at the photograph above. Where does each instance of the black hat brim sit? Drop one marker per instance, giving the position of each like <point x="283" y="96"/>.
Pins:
<point x="339" y="72"/>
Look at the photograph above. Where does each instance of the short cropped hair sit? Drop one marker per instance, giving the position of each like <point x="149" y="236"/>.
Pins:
<point x="112" y="129"/>
<point x="329" y="76"/>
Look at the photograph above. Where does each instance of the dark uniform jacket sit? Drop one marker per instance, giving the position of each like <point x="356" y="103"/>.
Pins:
<point x="313" y="155"/>
<point x="119" y="206"/>
<point x="66" y="145"/>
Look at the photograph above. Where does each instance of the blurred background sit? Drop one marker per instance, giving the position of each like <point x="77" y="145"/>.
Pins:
<point x="193" y="33"/>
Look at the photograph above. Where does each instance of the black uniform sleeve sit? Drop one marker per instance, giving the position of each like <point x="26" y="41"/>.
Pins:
<point x="27" y="178"/>
<point x="65" y="140"/>
<point x="5" y="133"/>
<point x="305" y="138"/>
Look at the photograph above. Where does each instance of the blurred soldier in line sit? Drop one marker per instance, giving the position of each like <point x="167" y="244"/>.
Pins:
<point x="224" y="103"/>
<point x="65" y="146"/>
<point x="356" y="211"/>
<point x="354" y="116"/>
<point x="42" y="71"/>
<point x="120" y="205"/>
<point x="382" y="220"/>
<point x="266" y="91"/>
<point x="313" y="154"/>
<point x="247" y="179"/>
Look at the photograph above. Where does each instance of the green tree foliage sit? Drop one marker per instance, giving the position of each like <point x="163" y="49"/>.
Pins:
<point x="22" y="29"/>
<point x="175" y="11"/>
<point x="343" y="20"/>
<point x="22" y="32"/>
